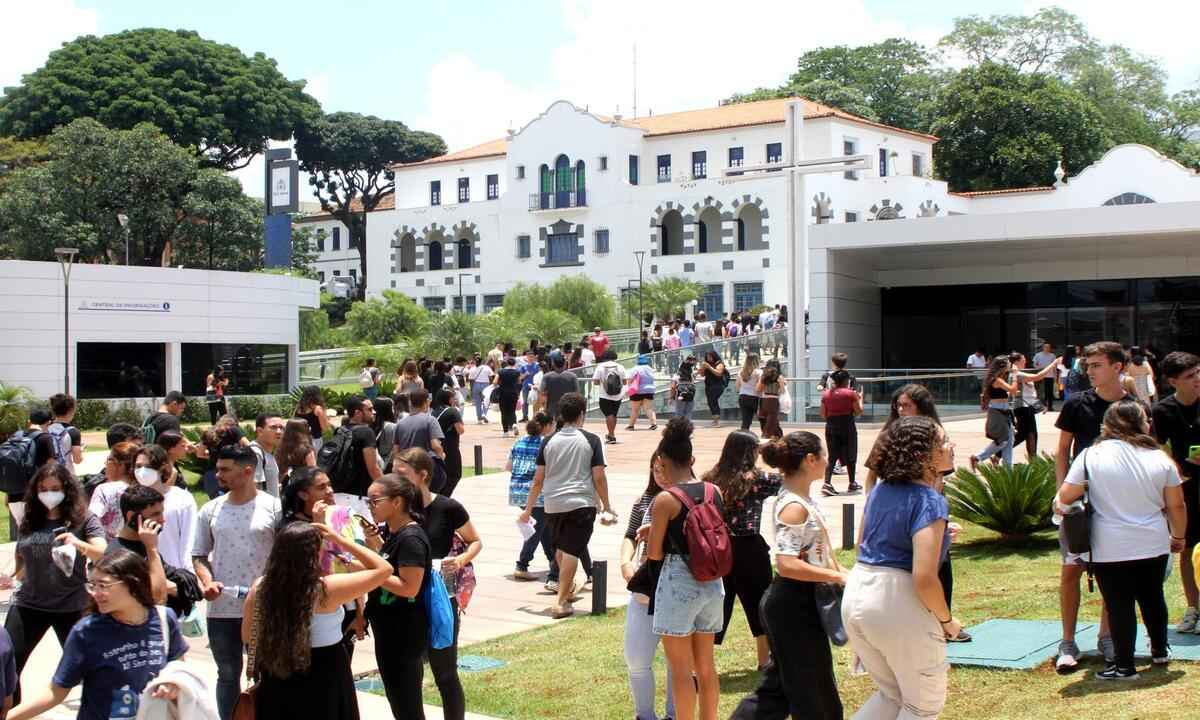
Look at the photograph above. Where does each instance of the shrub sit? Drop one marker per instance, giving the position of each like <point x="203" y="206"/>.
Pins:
<point x="127" y="412"/>
<point x="1013" y="501"/>
<point x="93" y="415"/>
<point x="195" y="412"/>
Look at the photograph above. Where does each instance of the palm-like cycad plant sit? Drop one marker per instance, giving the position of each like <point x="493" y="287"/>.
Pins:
<point x="1014" y="501"/>
<point x="667" y="296"/>
<point x="14" y="410"/>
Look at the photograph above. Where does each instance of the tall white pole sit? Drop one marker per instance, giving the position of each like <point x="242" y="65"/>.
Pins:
<point x="798" y="245"/>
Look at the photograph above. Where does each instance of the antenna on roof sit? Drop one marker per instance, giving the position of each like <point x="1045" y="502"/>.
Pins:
<point x="635" y="80"/>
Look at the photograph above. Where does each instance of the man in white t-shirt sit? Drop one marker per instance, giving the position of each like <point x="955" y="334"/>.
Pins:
<point x="610" y="377"/>
<point x="704" y="328"/>
<point x="978" y="360"/>
<point x="1041" y="360"/>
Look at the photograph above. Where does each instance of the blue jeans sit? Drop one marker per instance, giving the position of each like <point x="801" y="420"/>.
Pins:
<point x="1005" y="448"/>
<point x="525" y="403"/>
<point x="641" y="644"/>
<point x="372" y="392"/>
<point x="477" y="395"/>
<point x="225" y="641"/>
<point x="539" y="537"/>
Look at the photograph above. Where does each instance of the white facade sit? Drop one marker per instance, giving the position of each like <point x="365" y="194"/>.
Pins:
<point x="137" y="317"/>
<point x="335" y="256"/>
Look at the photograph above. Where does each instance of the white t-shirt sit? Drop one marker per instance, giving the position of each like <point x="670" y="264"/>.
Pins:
<point x="240" y="539"/>
<point x="704" y="331"/>
<point x="179" y="528"/>
<point x="977" y="361"/>
<point x="481" y="374"/>
<point x="587" y="357"/>
<point x="1125" y="488"/>
<point x="1043" y="359"/>
<point x="602" y="372"/>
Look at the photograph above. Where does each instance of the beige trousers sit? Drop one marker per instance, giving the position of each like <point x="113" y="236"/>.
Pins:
<point x="899" y="642"/>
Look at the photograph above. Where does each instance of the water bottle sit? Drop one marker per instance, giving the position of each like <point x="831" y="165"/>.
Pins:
<point x="236" y="591"/>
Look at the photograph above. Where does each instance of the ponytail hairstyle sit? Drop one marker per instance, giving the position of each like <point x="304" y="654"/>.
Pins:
<point x="398" y="486"/>
<point x="1125" y="420"/>
<point x="788" y="453"/>
<point x="676" y="443"/>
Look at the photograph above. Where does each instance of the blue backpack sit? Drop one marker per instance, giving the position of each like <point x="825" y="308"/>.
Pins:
<point x="440" y="611"/>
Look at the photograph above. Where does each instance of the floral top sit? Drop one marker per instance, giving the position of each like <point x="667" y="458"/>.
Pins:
<point x="524" y="464"/>
<point x="334" y="560"/>
<point x="106" y="506"/>
<point x="805" y="541"/>
<point x="744" y="515"/>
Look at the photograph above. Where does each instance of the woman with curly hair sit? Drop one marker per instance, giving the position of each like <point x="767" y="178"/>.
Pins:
<point x="293" y="623"/>
<point x="106" y="498"/>
<point x="51" y="595"/>
<point x="744" y="488"/>
<point x="311" y="409"/>
<point x="894" y="607"/>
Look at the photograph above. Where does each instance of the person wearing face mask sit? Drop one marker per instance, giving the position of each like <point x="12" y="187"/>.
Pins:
<point x="106" y="498"/>
<point x="153" y="469"/>
<point x="894" y="607"/>
<point x="55" y="518"/>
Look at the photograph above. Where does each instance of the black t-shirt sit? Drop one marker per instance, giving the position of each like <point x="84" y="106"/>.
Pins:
<point x="436" y="382"/>
<point x="164" y="421"/>
<point x="557" y="384"/>
<point x="447" y="418"/>
<point x="643" y="347"/>
<point x="510" y="381"/>
<point x="442" y="517"/>
<point x="362" y="437"/>
<point x="1082" y="415"/>
<point x="1178" y="424"/>
<point x="43" y="449"/>
<point x="405" y="617"/>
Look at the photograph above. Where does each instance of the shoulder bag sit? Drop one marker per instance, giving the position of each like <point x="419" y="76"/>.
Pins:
<point x="828" y="595"/>
<point x="245" y="707"/>
<point x="1077" y="523"/>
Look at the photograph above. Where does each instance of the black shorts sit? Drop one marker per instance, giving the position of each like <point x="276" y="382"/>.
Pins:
<point x="642" y="396"/>
<point x="1026" y="418"/>
<point x="571" y="531"/>
<point x="1191" y="501"/>
<point x="609" y="408"/>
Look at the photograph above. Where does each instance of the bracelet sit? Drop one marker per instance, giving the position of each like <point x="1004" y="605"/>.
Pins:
<point x="1178" y="538"/>
<point x="943" y="622"/>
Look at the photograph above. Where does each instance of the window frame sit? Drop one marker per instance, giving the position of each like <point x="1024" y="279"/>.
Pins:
<point x="778" y="157"/>
<point x="883" y="162"/>
<point x="699" y="164"/>
<point x="493" y="187"/>
<point x="740" y="160"/>
<point x="524" y="247"/>
<point x="572" y="257"/>
<point x="602" y="248"/>
<point x="660" y="167"/>
<point x="634" y="170"/>
<point x="335" y="241"/>
<point x="852" y="142"/>
<point x="435" y="192"/>
<point x="918" y="164"/>
<point x="464" y="189"/>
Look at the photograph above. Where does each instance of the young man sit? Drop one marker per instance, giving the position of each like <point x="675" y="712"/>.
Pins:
<point x="704" y="328"/>
<point x="610" y="376"/>
<point x="1177" y="427"/>
<point x="268" y="431"/>
<point x="167" y="417"/>
<point x="420" y="429"/>
<point x="687" y="336"/>
<point x="570" y="477"/>
<point x="838" y="360"/>
<point x="142" y="510"/>
<point x="528" y="367"/>
<point x="1043" y="360"/>
<point x="555" y="385"/>
<point x="234" y="534"/>
<point x="599" y="341"/>
<point x="496" y="354"/>
<point x="1079" y="425"/>
<point x="68" y="441"/>
<point x="350" y="482"/>
<point x="977" y="360"/>
<point x="179" y="510"/>
<point x="369" y="378"/>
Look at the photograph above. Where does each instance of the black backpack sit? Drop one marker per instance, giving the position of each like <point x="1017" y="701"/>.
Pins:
<point x="685" y="391"/>
<point x="18" y="461"/>
<point x="336" y="459"/>
<point x="614" y="382"/>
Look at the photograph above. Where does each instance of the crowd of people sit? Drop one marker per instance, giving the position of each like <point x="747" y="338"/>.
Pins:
<point x="323" y="531"/>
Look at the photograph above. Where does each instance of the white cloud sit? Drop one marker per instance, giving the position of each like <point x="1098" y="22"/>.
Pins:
<point x="31" y="31"/>
<point x="318" y="87"/>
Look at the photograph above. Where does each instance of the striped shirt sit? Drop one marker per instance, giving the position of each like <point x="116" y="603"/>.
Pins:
<point x="524" y="464"/>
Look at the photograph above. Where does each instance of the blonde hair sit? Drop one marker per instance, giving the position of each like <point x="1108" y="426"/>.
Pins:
<point x="1125" y="420"/>
<point x="749" y="366"/>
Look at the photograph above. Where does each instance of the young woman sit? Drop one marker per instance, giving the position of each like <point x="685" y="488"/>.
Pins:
<point x="839" y="406"/>
<point x="641" y="644"/>
<point x="214" y="393"/>
<point x="712" y="369"/>
<point x="747" y="388"/>
<point x="55" y="515"/>
<point x="1143" y="376"/>
<point x="408" y="379"/>
<point x="311" y="409"/>
<point x="153" y="469"/>
<point x="683" y="388"/>
<point x="744" y="488"/>
<point x="894" y="606"/>
<point x="522" y="463"/>
<point x="480" y="377"/>
<point x="295" y="449"/>
<point x="293" y="617"/>
<point x="644" y="346"/>
<point x="121" y="615"/>
<point x="770" y="387"/>
<point x="454" y="541"/>
<point x="449" y="418"/>
<point x="908" y="401"/>
<point x="641" y="389"/>
<point x="106" y="498"/>
<point x="800" y="682"/>
<point x="687" y="612"/>
<point x="1138" y="520"/>
<point x="397" y="609"/>
<point x="385" y="429"/>
<point x="508" y="392"/>
<point x="995" y="398"/>
<point x="1026" y="404"/>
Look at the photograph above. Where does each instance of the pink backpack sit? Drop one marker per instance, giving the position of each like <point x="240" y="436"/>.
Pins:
<point x="710" y="555"/>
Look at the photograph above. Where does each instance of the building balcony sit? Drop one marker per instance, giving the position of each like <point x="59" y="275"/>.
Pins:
<point x="557" y="200"/>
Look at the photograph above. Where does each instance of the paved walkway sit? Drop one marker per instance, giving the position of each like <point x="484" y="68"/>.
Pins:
<point x="501" y="605"/>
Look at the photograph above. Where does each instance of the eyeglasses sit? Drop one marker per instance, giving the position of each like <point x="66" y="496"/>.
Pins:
<point x="372" y="502"/>
<point x="95" y="587"/>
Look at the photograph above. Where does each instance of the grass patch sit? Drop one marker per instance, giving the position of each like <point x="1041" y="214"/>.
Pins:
<point x="577" y="669"/>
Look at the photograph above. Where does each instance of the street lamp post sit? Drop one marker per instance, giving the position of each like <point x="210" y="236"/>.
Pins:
<point x="461" y="307"/>
<point x="66" y="257"/>
<point x="640" y="255"/>
<point x="124" y="220"/>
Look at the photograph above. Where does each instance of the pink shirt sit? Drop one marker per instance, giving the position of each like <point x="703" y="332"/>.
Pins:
<point x="672" y="342"/>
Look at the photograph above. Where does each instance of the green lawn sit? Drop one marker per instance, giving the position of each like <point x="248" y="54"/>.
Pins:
<point x="576" y="669"/>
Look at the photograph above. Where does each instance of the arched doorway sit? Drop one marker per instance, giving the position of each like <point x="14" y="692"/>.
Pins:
<point x="434" y="249"/>
<point x="708" y="231"/>
<point x="465" y="254"/>
<point x="670" y="234"/>
<point x="408" y="253"/>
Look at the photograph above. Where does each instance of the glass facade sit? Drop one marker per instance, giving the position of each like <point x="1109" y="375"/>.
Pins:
<point x="252" y="369"/>
<point x="747" y="295"/>
<point x="937" y="327"/>
<point x="712" y="302"/>
<point x="116" y="370"/>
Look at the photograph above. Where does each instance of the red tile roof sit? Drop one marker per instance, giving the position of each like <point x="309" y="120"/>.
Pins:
<point x="1005" y="191"/>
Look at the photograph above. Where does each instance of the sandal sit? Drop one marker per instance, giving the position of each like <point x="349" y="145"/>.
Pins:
<point x="654" y="426"/>
<point x="630" y="427"/>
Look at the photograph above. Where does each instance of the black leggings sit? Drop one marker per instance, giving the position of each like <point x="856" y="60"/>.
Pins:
<point x="946" y="575"/>
<point x="712" y="393"/>
<point x="1122" y="584"/>
<point x="400" y="654"/>
<point x="27" y="626"/>
<point x="508" y="410"/>
<point x="799" y="682"/>
<point x="216" y="410"/>
<point x="748" y="406"/>
<point x="748" y="579"/>
<point x="841" y="437"/>
<point x="444" y="664"/>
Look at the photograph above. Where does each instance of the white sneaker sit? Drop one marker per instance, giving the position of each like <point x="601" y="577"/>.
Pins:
<point x="1189" y="621"/>
<point x="1068" y="657"/>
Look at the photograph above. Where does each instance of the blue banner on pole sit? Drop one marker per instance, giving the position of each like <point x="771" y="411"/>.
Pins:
<point x="279" y="241"/>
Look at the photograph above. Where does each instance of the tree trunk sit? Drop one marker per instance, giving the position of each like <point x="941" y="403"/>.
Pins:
<point x="358" y="233"/>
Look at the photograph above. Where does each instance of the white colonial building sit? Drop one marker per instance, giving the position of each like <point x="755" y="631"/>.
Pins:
<point x="572" y="191"/>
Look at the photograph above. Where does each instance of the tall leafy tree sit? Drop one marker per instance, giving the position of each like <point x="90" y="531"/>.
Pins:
<point x="386" y="319"/>
<point x="224" y="227"/>
<point x="1028" y="43"/>
<point x="583" y="298"/>
<point x="200" y="93"/>
<point x="17" y="154"/>
<point x="349" y="158"/>
<point x="667" y="295"/>
<point x="1000" y="128"/>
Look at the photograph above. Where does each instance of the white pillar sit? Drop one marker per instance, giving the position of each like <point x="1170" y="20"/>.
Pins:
<point x="293" y="380"/>
<point x="797" y="246"/>
<point x="174" y="366"/>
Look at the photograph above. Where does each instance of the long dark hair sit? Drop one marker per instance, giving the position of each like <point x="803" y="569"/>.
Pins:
<point x="1125" y="420"/>
<point x="290" y="501"/>
<point x="734" y="471"/>
<point x="920" y="396"/>
<point x="287" y="596"/>
<point x="652" y="487"/>
<point x="131" y="569"/>
<point x="310" y="395"/>
<point x="295" y="445"/>
<point x="997" y="368"/>
<point x="37" y="515"/>
<point x="398" y="486"/>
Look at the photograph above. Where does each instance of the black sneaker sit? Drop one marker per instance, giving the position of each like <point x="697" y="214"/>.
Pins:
<point x="1112" y="672"/>
<point x="828" y="491"/>
<point x="853" y="489"/>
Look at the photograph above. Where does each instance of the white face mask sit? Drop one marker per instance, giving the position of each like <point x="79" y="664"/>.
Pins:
<point x="51" y="498"/>
<point x="146" y="476"/>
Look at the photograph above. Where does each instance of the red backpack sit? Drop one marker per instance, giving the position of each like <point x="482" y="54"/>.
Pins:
<point x="710" y="555"/>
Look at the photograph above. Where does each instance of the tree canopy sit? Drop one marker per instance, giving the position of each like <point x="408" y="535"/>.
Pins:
<point x="201" y="94"/>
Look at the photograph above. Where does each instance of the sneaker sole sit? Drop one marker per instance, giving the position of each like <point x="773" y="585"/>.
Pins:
<point x="1065" y="669"/>
<point x="1117" y="678"/>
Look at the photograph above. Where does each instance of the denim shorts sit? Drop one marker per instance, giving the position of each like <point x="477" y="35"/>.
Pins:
<point x="682" y="605"/>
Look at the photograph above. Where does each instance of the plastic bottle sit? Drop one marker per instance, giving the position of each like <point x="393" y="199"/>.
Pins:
<point x="236" y="591"/>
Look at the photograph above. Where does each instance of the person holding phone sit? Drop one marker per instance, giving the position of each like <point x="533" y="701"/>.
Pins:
<point x="56" y="524"/>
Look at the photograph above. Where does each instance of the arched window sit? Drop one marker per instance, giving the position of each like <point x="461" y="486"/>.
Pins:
<point x="1129" y="198"/>
<point x="670" y="237"/>
<point x="547" y="186"/>
<point x="741" y="234"/>
<point x="750" y="231"/>
<point x="580" y="190"/>
<point x="435" y="255"/>
<point x="562" y="182"/>
<point x="465" y="258"/>
<point x="408" y="253"/>
<point x="709" y="231"/>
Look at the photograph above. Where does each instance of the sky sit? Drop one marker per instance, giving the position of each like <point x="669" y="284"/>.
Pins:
<point x="470" y="70"/>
